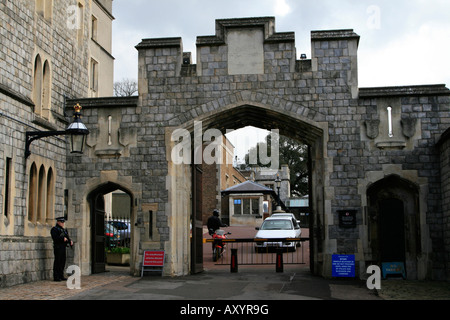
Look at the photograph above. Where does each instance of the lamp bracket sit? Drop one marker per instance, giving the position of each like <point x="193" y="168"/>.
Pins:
<point x="36" y="135"/>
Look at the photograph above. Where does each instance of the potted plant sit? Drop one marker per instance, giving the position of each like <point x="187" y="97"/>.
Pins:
<point x="118" y="256"/>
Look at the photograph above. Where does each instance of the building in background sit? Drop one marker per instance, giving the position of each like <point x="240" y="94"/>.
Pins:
<point x="101" y="63"/>
<point x="250" y="202"/>
<point x="217" y="177"/>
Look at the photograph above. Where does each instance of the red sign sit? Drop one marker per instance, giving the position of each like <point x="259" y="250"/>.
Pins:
<point x="153" y="259"/>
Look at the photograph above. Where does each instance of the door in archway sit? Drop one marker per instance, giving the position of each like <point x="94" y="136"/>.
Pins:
<point x="98" y="234"/>
<point x="267" y="118"/>
<point x="392" y="230"/>
<point x="197" y="223"/>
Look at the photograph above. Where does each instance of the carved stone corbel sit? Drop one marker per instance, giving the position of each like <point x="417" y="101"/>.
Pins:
<point x="372" y="128"/>
<point x="409" y="127"/>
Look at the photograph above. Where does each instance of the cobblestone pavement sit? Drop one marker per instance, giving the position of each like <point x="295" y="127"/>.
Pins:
<point x="394" y="289"/>
<point x="51" y="290"/>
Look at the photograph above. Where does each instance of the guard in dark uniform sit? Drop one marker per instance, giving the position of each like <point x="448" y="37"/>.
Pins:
<point x="61" y="240"/>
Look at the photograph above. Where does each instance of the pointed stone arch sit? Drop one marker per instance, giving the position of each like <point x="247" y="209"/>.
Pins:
<point x="266" y="112"/>
<point x="394" y="228"/>
<point x="96" y="211"/>
<point x="252" y="103"/>
<point x="258" y="109"/>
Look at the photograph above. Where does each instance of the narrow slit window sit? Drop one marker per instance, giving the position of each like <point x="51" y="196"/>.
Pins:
<point x="391" y="132"/>
<point x="94" y="75"/>
<point x="109" y="130"/>
<point x="7" y="196"/>
<point x="94" y="28"/>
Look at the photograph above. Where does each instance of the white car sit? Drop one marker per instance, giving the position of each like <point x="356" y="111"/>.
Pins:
<point x="277" y="228"/>
<point x="287" y="214"/>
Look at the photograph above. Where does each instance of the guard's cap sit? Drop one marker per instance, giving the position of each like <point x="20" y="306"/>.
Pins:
<point x="61" y="219"/>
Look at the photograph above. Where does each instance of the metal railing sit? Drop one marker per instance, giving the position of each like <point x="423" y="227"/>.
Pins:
<point x="264" y="251"/>
<point x="117" y="232"/>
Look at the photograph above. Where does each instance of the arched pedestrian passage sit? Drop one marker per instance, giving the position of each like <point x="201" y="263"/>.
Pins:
<point x="99" y="235"/>
<point x="394" y="223"/>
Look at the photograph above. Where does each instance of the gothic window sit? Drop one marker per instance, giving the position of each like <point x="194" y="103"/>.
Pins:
<point x="50" y="195"/>
<point x="42" y="87"/>
<point x="41" y="194"/>
<point x="32" y="193"/>
<point x="37" y="85"/>
<point x="46" y="90"/>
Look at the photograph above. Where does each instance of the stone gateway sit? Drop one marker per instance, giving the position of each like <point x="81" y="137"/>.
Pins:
<point x="373" y="150"/>
<point x="379" y="154"/>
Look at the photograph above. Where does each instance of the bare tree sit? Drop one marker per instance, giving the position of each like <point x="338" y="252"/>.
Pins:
<point x="125" y="88"/>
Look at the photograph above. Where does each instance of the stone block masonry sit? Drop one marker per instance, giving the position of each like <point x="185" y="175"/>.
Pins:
<point x="248" y="74"/>
<point x="36" y="45"/>
<point x="24" y="260"/>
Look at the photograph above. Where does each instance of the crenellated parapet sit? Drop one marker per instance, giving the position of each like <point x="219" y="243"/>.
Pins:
<point x="248" y="46"/>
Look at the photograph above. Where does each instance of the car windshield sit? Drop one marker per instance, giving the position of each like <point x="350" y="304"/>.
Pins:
<point x="110" y="229"/>
<point x="277" y="225"/>
<point x="119" y="225"/>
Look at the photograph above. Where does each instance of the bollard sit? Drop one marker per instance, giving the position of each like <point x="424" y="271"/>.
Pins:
<point x="279" y="262"/>
<point x="234" y="261"/>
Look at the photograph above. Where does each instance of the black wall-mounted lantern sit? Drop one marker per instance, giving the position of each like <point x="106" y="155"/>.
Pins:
<point x="278" y="184"/>
<point x="77" y="131"/>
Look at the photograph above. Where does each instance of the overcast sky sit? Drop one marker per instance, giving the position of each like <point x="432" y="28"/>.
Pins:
<point x="403" y="42"/>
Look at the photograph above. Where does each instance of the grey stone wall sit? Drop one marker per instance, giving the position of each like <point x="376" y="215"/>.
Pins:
<point x="444" y="147"/>
<point x="26" y="34"/>
<point x="427" y="108"/>
<point x="316" y="101"/>
<point x="24" y="259"/>
<point x="26" y="253"/>
<point x="325" y="93"/>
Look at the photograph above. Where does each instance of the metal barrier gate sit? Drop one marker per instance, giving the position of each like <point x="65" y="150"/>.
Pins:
<point x="263" y="251"/>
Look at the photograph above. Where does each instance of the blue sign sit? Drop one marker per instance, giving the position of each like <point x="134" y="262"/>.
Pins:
<point x="395" y="268"/>
<point x="343" y="265"/>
